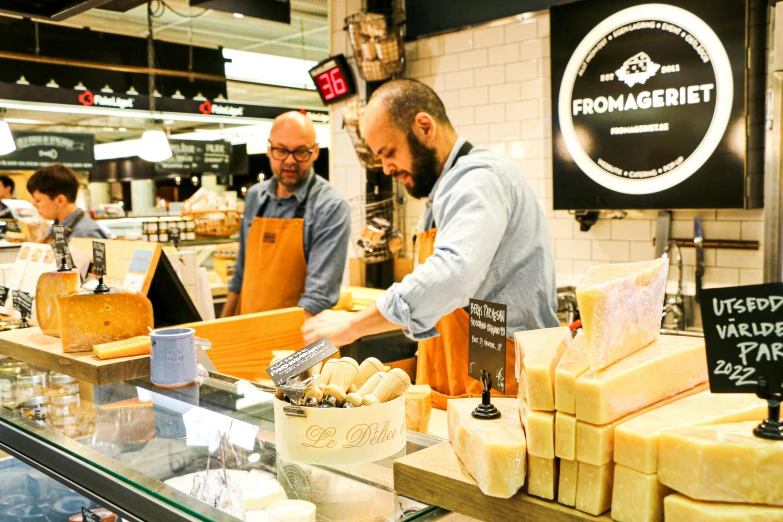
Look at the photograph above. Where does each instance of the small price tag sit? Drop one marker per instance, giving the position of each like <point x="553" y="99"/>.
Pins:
<point x="89" y="516"/>
<point x="300" y="361"/>
<point x="23" y="303"/>
<point x="3" y="295"/>
<point x="174" y="234"/>
<point x="61" y="249"/>
<point x="743" y="329"/>
<point x="487" y="342"/>
<point x="99" y="258"/>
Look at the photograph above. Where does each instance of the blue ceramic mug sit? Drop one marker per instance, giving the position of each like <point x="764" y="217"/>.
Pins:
<point x="173" y="360"/>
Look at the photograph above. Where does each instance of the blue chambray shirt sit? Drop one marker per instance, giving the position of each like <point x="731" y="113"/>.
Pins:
<point x="493" y="244"/>
<point x="86" y="227"/>
<point x="327" y="233"/>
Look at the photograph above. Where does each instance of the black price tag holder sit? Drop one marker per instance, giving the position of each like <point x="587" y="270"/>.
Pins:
<point x="99" y="266"/>
<point x="61" y="249"/>
<point x="89" y="516"/>
<point x="174" y="236"/>
<point x="4" y="291"/>
<point x="23" y="302"/>
<point x="487" y="352"/>
<point x="743" y="331"/>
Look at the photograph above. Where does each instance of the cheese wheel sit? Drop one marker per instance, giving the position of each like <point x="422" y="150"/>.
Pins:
<point x="49" y="286"/>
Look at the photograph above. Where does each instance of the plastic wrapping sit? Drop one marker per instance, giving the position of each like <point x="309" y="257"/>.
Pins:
<point x="636" y="441"/>
<point x="87" y="318"/>
<point x="565" y="436"/>
<point x="418" y="407"/>
<point x="621" y="308"/>
<point x="595" y="443"/>
<point x="566" y="482"/>
<point x="541" y="477"/>
<point x="683" y="509"/>
<point x="663" y="369"/>
<point x="594" y="488"/>
<point x="539" y="429"/>
<point x="637" y="496"/>
<point x="537" y="355"/>
<point x="493" y="451"/>
<point x="723" y="463"/>
<point x="572" y="365"/>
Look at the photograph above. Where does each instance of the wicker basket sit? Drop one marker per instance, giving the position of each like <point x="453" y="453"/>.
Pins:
<point x="351" y="116"/>
<point x="378" y="45"/>
<point x="215" y="223"/>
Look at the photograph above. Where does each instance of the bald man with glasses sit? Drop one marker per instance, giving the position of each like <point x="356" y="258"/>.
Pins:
<point x="295" y="231"/>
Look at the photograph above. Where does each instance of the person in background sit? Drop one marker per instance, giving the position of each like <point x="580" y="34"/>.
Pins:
<point x="295" y="231"/>
<point x="7" y="187"/>
<point x="484" y="237"/>
<point x="54" y="189"/>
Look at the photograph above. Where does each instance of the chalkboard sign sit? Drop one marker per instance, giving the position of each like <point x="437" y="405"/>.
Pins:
<point x="99" y="258"/>
<point x="89" y="516"/>
<point x="174" y="235"/>
<point x="3" y="295"/>
<point x="300" y="361"/>
<point x="23" y="303"/>
<point x="743" y="329"/>
<point x="487" y="343"/>
<point x="61" y="250"/>
<point x="197" y="156"/>
<point x="35" y="150"/>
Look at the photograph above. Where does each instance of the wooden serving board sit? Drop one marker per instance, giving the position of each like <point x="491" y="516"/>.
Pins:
<point x="436" y="476"/>
<point x="33" y="347"/>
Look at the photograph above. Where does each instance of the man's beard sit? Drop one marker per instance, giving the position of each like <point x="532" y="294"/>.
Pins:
<point x="291" y="183"/>
<point x="426" y="168"/>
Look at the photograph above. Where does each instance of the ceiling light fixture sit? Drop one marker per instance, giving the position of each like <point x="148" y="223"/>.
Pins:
<point x="132" y="91"/>
<point x="52" y="84"/>
<point x="199" y="97"/>
<point x="106" y="89"/>
<point x="154" y="146"/>
<point x="80" y="87"/>
<point x="178" y="95"/>
<point x="22" y="81"/>
<point x="7" y="143"/>
<point x="239" y="15"/>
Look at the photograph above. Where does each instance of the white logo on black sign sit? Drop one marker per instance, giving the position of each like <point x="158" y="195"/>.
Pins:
<point x="637" y="69"/>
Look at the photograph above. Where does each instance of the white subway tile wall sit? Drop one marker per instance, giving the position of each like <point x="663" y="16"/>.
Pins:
<point x="496" y="85"/>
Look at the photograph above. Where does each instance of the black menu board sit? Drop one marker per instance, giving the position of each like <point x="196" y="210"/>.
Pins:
<point x="197" y="156"/>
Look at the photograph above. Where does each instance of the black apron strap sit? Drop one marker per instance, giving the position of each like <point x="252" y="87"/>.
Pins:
<point x="300" y="209"/>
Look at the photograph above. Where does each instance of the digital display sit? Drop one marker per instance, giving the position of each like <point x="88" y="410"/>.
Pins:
<point x="333" y="79"/>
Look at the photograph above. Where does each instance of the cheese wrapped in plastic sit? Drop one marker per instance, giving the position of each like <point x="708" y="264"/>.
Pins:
<point x="493" y="451"/>
<point x="621" y="307"/>
<point x="637" y="497"/>
<point x="418" y="407"/>
<point x="663" y="369"/>
<point x="539" y="430"/>
<point x="87" y="319"/>
<point x="565" y="436"/>
<point x="679" y="508"/>
<point x="722" y="463"/>
<point x="571" y="366"/>
<point x="566" y="483"/>
<point x="49" y="286"/>
<point x="537" y="355"/>
<point x="594" y="488"/>
<point x="636" y="441"/>
<point x="542" y="477"/>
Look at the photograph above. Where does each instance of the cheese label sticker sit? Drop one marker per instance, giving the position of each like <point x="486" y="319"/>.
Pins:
<point x="301" y="361"/>
<point x="487" y="342"/>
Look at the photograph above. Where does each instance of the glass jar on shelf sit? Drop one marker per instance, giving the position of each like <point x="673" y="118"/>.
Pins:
<point x="63" y="385"/>
<point x="35" y="408"/>
<point x="30" y="385"/>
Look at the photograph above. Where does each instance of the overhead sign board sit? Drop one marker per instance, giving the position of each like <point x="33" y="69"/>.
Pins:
<point x="197" y="156"/>
<point x="35" y="150"/>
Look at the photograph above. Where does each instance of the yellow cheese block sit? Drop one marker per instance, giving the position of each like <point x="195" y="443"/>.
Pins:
<point x="141" y="345"/>
<point x="541" y="477"/>
<point x="662" y="369"/>
<point x="418" y="407"/>
<point x="345" y="301"/>
<point x="539" y="430"/>
<point x="493" y="451"/>
<point x="637" y="497"/>
<point x="538" y="352"/>
<point x="566" y="484"/>
<point x="49" y="286"/>
<point x="87" y="319"/>
<point x="595" y="443"/>
<point x="723" y="463"/>
<point x="572" y="365"/>
<point x="565" y="436"/>
<point x="679" y="508"/>
<point x="620" y="306"/>
<point x="636" y="441"/>
<point x="594" y="488"/>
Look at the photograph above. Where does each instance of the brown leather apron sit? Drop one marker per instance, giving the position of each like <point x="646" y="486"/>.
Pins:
<point x="275" y="264"/>
<point x="442" y="362"/>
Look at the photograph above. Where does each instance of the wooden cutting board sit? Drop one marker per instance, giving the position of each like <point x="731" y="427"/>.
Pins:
<point x="33" y="347"/>
<point x="436" y="476"/>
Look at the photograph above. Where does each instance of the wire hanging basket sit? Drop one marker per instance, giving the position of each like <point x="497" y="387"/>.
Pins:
<point x="375" y="234"/>
<point x="351" y="115"/>
<point x="378" y="44"/>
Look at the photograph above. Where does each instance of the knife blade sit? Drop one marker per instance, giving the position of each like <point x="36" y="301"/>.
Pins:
<point x="698" y="239"/>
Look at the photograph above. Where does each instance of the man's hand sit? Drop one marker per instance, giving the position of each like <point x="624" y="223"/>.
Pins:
<point x="335" y="326"/>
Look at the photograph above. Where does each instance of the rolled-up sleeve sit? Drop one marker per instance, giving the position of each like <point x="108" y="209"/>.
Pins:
<point x="328" y="252"/>
<point x="472" y="212"/>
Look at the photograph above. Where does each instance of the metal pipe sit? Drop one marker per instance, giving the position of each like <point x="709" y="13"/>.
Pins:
<point x="111" y="67"/>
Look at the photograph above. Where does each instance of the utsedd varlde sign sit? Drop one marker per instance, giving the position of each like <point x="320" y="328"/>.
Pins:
<point x="648" y="104"/>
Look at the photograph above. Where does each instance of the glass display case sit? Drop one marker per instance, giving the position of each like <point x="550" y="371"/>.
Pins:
<point x="142" y="452"/>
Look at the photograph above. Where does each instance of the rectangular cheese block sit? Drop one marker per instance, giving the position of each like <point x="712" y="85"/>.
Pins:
<point x="594" y="488"/>
<point x="87" y="319"/>
<point x="595" y="443"/>
<point x="260" y="490"/>
<point x="566" y="484"/>
<point x="637" y="497"/>
<point x="722" y="463"/>
<point x="663" y="369"/>
<point x="48" y="287"/>
<point x="565" y="436"/>
<point x="493" y="451"/>
<point x="572" y="365"/>
<point x="141" y="345"/>
<point x="418" y="407"/>
<point x="621" y="306"/>
<point x="541" y="477"/>
<point x="538" y="352"/>
<point x="539" y="431"/>
<point x="679" y="508"/>
<point x="636" y="441"/>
